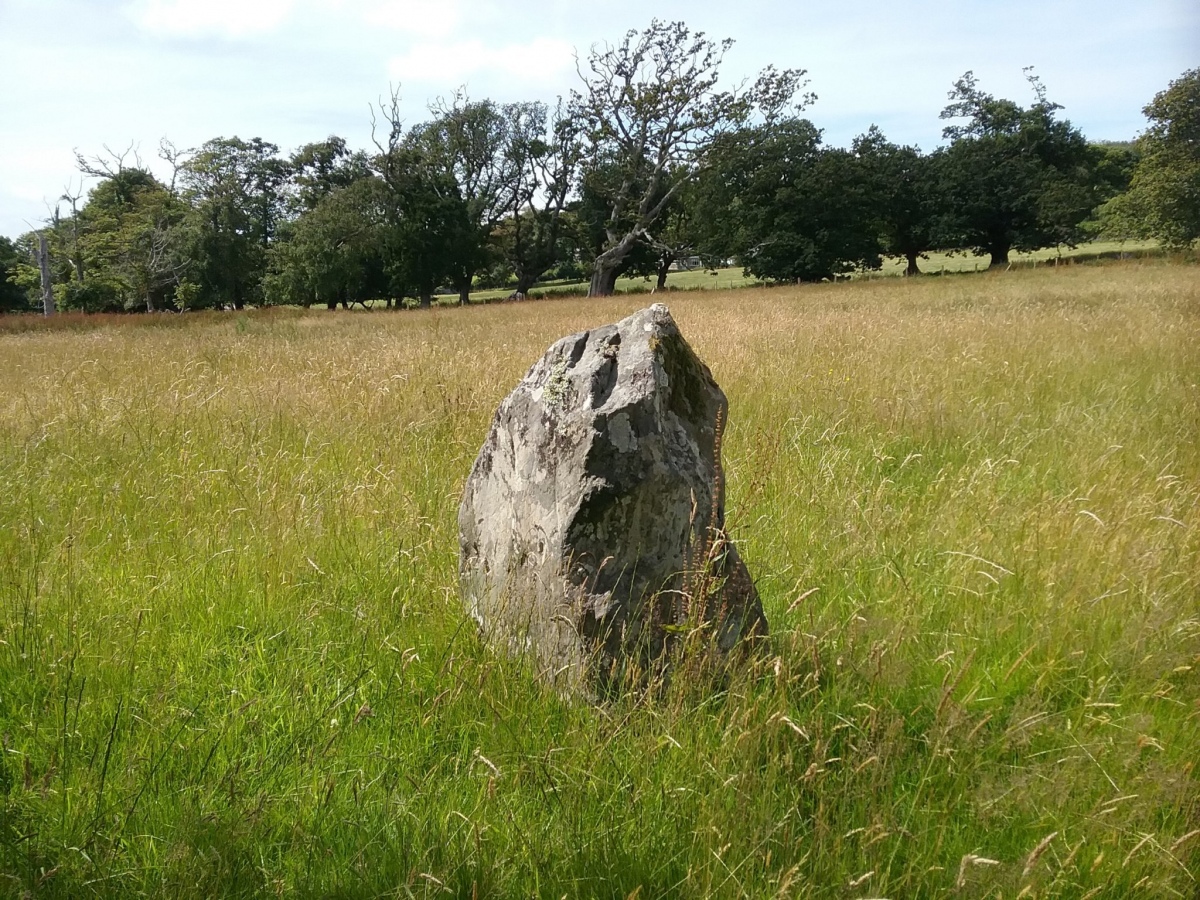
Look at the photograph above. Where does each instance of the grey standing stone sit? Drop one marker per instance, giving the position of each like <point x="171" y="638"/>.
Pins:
<point x="592" y="524"/>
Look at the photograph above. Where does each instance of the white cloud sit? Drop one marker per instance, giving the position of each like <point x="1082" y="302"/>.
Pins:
<point x="227" y="18"/>
<point x="542" y="62"/>
<point x="431" y="18"/>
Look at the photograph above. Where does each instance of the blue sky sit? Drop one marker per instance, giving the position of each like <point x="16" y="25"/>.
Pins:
<point x="86" y="73"/>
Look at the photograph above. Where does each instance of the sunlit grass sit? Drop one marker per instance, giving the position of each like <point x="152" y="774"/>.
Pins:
<point x="233" y="662"/>
<point x="933" y="263"/>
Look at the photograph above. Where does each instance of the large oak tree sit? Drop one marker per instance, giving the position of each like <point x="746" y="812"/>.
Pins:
<point x="907" y="202"/>
<point x="787" y="207"/>
<point x="1016" y="178"/>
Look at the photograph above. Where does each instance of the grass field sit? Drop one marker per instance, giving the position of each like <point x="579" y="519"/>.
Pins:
<point x="933" y="264"/>
<point x="233" y="662"/>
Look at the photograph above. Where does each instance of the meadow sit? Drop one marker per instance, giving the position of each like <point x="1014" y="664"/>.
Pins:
<point x="233" y="660"/>
<point x="933" y="263"/>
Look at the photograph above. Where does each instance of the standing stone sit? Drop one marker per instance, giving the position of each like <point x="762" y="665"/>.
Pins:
<point x="592" y="524"/>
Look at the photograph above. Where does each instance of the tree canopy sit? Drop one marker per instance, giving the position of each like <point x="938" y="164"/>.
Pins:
<point x="13" y="295"/>
<point x="1015" y="177"/>
<point x="789" y="208"/>
<point x="1163" y="200"/>
<point x="652" y="108"/>
<point x="651" y="164"/>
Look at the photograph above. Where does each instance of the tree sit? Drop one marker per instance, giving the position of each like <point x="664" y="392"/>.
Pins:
<point x="73" y="196"/>
<point x="546" y="152"/>
<point x="426" y="223"/>
<point x="788" y="208"/>
<point x="1163" y="200"/>
<point x="1015" y="178"/>
<point x="476" y="144"/>
<point x="652" y="109"/>
<point x="130" y="245"/>
<point x="676" y="237"/>
<point x="235" y="189"/>
<point x="425" y="218"/>
<point x="333" y="253"/>
<point x="14" y="278"/>
<point x="1116" y="162"/>
<point x="43" y="256"/>
<point x="322" y="167"/>
<point x="591" y="221"/>
<point x="328" y="247"/>
<point x="906" y="200"/>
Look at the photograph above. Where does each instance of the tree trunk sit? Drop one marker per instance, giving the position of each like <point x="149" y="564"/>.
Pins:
<point x="912" y="268"/>
<point x="462" y="282"/>
<point x="525" y="284"/>
<point x="664" y="266"/>
<point x="999" y="256"/>
<point x="426" y="300"/>
<point x="604" y="280"/>
<point x="44" y="267"/>
<point x="607" y="265"/>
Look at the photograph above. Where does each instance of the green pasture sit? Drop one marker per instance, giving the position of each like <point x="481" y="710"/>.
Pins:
<point x="934" y="263"/>
<point x="233" y="661"/>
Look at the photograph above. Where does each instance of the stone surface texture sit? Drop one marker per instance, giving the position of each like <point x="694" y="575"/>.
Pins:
<point x="592" y="523"/>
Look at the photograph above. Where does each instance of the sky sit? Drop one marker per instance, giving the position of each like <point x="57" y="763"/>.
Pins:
<point x="89" y="74"/>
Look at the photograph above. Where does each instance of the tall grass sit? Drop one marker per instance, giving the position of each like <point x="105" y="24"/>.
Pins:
<point x="233" y="661"/>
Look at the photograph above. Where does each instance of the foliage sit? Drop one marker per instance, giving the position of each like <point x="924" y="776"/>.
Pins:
<point x="907" y="198"/>
<point x="14" y="296"/>
<point x="333" y="253"/>
<point x="547" y="152"/>
<point x="591" y="220"/>
<point x="95" y="295"/>
<point x="652" y="108"/>
<point x="319" y="168"/>
<point x="425" y="222"/>
<point x="235" y="191"/>
<point x="652" y="162"/>
<point x="1015" y="177"/>
<point x="129" y="240"/>
<point x="1163" y="200"/>
<point x="474" y="144"/>
<point x="788" y="208"/>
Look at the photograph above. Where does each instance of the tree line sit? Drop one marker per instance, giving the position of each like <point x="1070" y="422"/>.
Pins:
<point x="650" y="163"/>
